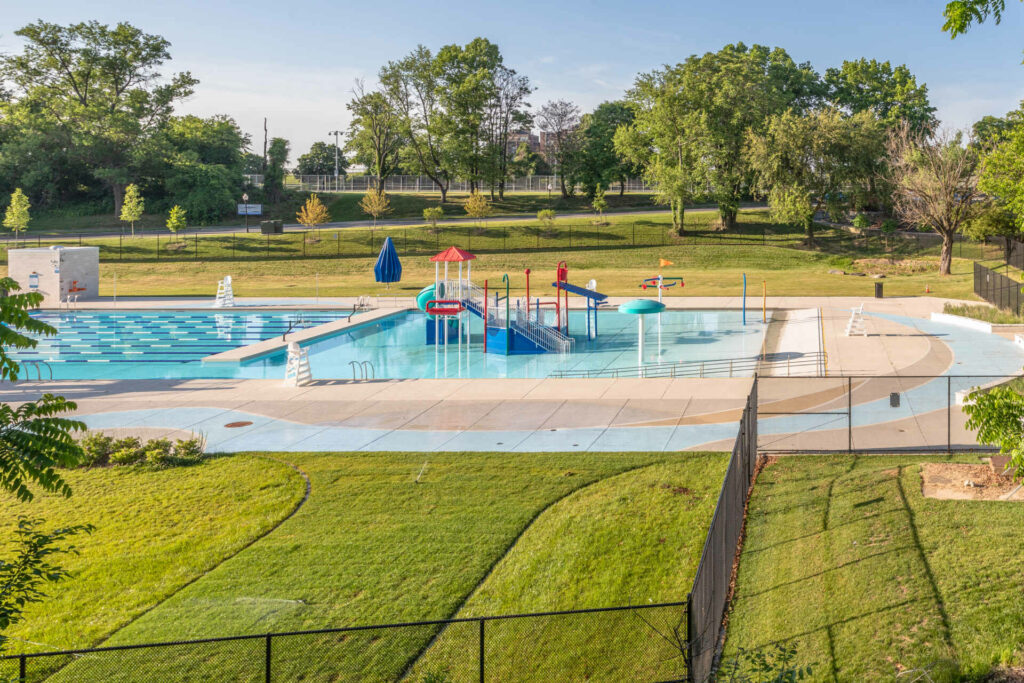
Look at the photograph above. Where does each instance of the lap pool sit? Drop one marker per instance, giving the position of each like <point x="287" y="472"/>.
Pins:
<point x="172" y="344"/>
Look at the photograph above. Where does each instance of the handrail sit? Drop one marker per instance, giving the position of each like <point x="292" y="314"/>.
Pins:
<point x="362" y="369"/>
<point x="38" y="365"/>
<point x="693" y="368"/>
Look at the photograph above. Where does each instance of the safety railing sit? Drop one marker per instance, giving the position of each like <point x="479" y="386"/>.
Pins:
<point x="785" y="365"/>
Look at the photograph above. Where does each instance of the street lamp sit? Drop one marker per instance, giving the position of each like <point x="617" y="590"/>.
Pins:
<point x="335" y="133"/>
<point x="245" y="209"/>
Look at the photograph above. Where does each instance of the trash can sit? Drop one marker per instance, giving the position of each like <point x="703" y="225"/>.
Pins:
<point x="878" y="290"/>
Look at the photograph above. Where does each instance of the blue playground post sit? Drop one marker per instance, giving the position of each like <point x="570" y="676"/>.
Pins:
<point x="744" y="298"/>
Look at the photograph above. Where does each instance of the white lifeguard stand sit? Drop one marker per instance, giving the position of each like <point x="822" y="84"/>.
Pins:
<point x="855" y="325"/>
<point x="60" y="274"/>
<point x="225" y="295"/>
<point x="296" y="371"/>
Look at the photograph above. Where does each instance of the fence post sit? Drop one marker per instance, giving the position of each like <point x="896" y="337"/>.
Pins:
<point x="23" y="668"/>
<point x="268" y="245"/>
<point x="482" y="651"/>
<point x="232" y="246"/>
<point x="158" y="247"/>
<point x="634" y="234"/>
<point x="266" y="663"/>
<point x="690" y="630"/>
<point x="949" y="414"/>
<point x="197" y="247"/>
<point x="849" y="414"/>
<point x="304" y="233"/>
<point x="570" y="236"/>
<point x="120" y="244"/>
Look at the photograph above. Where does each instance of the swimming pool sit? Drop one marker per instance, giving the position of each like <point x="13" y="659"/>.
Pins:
<point x="156" y="344"/>
<point x="396" y="347"/>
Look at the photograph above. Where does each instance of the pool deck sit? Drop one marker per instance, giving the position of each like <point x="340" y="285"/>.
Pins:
<point x="548" y="414"/>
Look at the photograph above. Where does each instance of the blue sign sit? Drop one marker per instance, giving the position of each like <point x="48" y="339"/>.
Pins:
<point x="250" y="209"/>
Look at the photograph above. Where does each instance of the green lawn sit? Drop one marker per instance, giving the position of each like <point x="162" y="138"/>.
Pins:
<point x="988" y="314"/>
<point x="156" y="530"/>
<point x="619" y="255"/>
<point x="371" y="545"/>
<point x="846" y="561"/>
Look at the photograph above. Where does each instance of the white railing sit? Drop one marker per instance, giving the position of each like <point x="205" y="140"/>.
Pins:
<point x="726" y="367"/>
<point x="548" y="338"/>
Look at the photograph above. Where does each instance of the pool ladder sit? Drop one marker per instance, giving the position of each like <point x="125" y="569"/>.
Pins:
<point x="38" y="365"/>
<point x="362" y="369"/>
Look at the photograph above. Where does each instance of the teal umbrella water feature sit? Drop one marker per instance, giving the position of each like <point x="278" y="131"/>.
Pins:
<point x="640" y="308"/>
<point x="388" y="268"/>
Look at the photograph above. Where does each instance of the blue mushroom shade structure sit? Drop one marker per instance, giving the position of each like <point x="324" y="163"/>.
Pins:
<point x="641" y="308"/>
<point x="388" y="268"/>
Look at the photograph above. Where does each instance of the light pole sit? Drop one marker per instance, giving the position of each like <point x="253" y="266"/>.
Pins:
<point x="245" y="209"/>
<point x="335" y="133"/>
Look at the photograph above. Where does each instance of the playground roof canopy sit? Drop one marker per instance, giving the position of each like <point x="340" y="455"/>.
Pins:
<point x="453" y="255"/>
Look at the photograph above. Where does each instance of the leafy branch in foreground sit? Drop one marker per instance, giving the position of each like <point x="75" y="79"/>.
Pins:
<point x="998" y="417"/>
<point x="23" y="577"/>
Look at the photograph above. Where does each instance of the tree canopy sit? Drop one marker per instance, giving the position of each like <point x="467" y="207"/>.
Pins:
<point x="319" y="160"/>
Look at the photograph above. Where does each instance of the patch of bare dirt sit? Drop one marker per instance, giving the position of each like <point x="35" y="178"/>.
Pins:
<point x="1006" y="674"/>
<point x="958" y="481"/>
<point x="885" y="266"/>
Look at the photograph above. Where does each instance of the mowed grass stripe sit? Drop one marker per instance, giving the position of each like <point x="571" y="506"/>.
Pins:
<point x="631" y="539"/>
<point x="846" y="561"/>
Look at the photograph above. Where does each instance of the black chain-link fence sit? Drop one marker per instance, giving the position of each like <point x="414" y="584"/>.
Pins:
<point x="997" y="289"/>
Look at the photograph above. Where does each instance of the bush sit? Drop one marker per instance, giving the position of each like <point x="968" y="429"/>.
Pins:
<point x="889" y="226"/>
<point x="97" y="448"/>
<point x="861" y="221"/>
<point x="158" y="452"/>
<point x="190" y="449"/>
<point x="126" y="451"/>
<point x="843" y="262"/>
<point x="546" y="216"/>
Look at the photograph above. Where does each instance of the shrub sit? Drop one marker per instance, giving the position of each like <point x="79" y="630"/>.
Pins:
<point x="126" y="456"/>
<point x="844" y="262"/>
<point x="97" y="448"/>
<point x="889" y="226"/>
<point x="158" y="452"/>
<point x="190" y="449"/>
<point x="432" y="214"/>
<point x="546" y="216"/>
<point x="861" y="221"/>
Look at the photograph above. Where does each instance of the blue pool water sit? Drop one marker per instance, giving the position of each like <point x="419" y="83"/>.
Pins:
<point x="172" y="344"/>
<point x="158" y="343"/>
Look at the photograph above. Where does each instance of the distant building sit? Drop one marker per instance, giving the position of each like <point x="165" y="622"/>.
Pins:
<point x="515" y="138"/>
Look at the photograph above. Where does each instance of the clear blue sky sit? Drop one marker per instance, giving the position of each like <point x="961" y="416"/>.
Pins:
<point x="295" y="61"/>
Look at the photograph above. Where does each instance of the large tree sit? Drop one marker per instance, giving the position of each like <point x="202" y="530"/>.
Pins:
<point x="732" y="93"/>
<point x="375" y="133"/>
<point x="559" y="122"/>
<point x="600" y="165"/>
<point x="507" y="112"/>
<point x="1002" y="178"/>
<point x="319" y="160"/>
<point x="273" y="176"/>
<point x="413" y="86"/>
<point x="202" y="165"/>
<point x="891" y="93"/>
<point x="661" y="139"/>
<point x="97" y="90"/>
<point x="801" y="161"/>
<point x="935" y="180"/>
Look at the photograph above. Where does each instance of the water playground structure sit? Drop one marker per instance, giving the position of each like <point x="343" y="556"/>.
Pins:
<point x="511" y="326"/>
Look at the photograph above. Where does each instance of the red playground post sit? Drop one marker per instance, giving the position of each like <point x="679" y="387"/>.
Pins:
<point x="561" y="275"/>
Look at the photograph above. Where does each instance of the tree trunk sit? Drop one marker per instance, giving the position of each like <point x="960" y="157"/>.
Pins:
<point x="1008" y="248"/>
<point x="809" y="228"/>
<point x="565" y="190"/>
<point x="380" y="182"/>
<point x="727" y="213"/>
<point x="678" y="216"/>
<point x="946" y="258"/>
<point x="622" y="187"/>
<point x="118" y="191"/>
<point x="501" y="190"/>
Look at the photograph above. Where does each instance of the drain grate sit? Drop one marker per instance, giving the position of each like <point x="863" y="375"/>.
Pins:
<point x="236" y="425"/>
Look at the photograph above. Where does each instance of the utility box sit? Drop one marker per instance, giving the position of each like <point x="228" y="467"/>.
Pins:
<point x="58" y="273"/>
<point x="271" y="227"/>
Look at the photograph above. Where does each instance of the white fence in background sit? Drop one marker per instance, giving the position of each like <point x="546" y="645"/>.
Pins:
<point x="412" y="183"/>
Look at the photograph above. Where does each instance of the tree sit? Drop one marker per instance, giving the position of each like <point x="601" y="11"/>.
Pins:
<point x="559" y="122"/>
<point x="728" y="95"/>
<point x="526" y="162"/>
<point x="998" y="417"/>
<point x="935" y="178"/>
<point x="892" y="94"/>
<point x="996" y="221"/>
<point x="313" y="213"/>
<point x="432" y="214"/>
<point x="661" y="140"/>
<point x="133" y="206"/>
<point x="273" y="176"/>
<point x="34" y="442"/>
<point x="176" y="219"/>
<point x="16" y="217"/>
<point x="477" y="206"/>
<point x="375" y="203"/>
<point x="599" y="203"/>
<point x="507" y="111"/>
<point x="374" y="135"/>
<point x="412" y="85"/>
<point x="319" y="160"/>
<point x="547" y="217"/>
<point x="801" y="161"/>
<point x="962" y="14"/>
<point x="1002" y="177"/>
<point x="98" y="90"/>
<point x="599" y="163"/>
